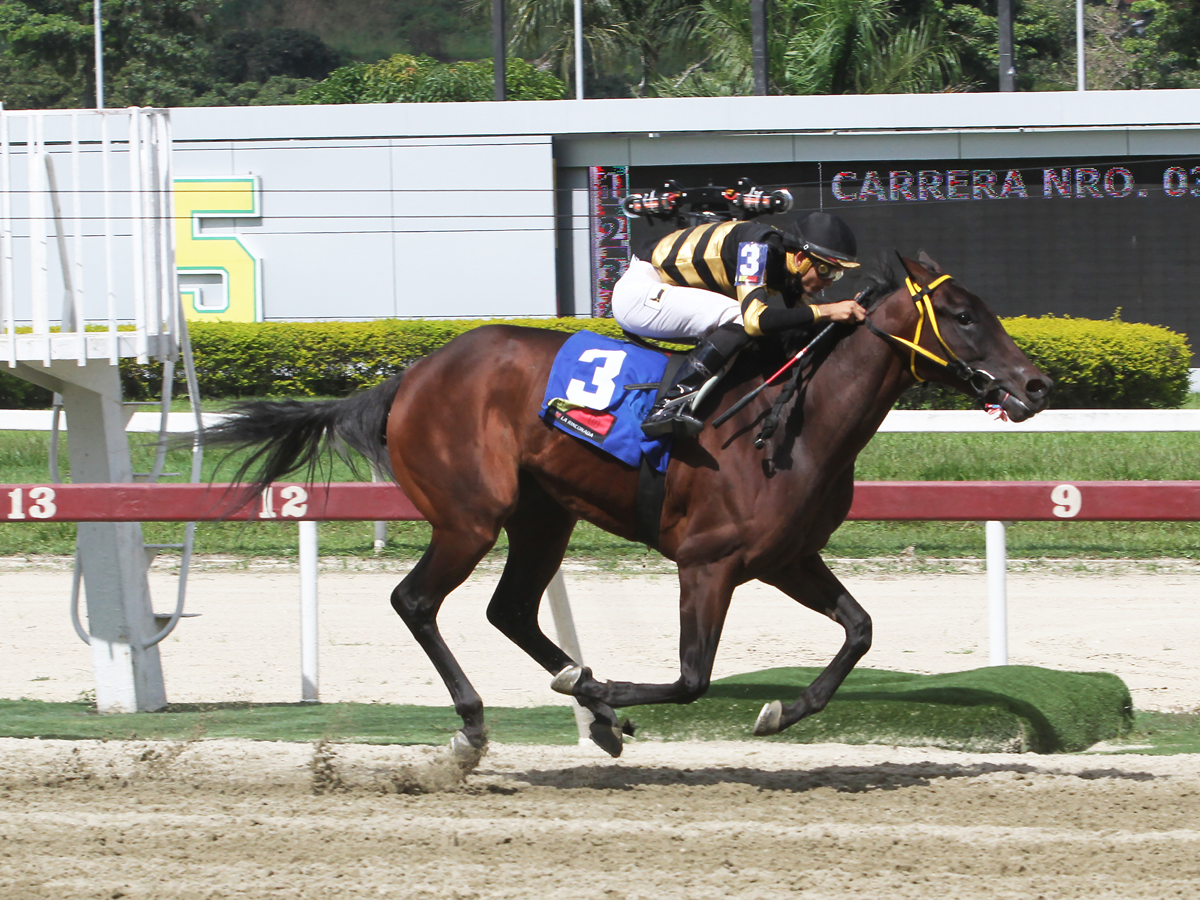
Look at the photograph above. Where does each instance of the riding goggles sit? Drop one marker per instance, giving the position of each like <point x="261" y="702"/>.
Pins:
<point x="827" y="269"/>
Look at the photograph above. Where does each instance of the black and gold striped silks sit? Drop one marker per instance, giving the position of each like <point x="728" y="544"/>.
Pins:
<point x="706" y="257"/>
<point x="692" y="257"/>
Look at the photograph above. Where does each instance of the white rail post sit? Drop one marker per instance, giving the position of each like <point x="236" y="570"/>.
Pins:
<point x="309" y="686"/>
<point x="997" y="564"/>
<point x="38" y="233"/>
<point x="568" y="639"/>
<point x="110" y="297"/>
<point x="137" y="227"/>
<point x="380" y="527"/>
<point x="8" y="302"/>
<point x="77" y="233"/>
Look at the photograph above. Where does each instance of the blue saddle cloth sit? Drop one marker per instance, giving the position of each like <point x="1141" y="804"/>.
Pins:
<point x="586" y="396"/>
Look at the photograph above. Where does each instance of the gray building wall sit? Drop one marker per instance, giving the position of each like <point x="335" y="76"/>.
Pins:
<point x="481" y="209"/>
<point x="364" y="228"/>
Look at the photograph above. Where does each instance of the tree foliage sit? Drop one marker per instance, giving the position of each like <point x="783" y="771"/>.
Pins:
<point x="822" y="47"/>
<point x="1138" y="45"/>
<point x="249" y="55"/>
<point x="239" y="52"/>
<point x="420" y="79"/>
<point x="630" y="35"/>
<point x="154" y="51"/>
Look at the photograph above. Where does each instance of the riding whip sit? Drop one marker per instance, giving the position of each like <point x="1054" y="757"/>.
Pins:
<point x="724" y="417"/>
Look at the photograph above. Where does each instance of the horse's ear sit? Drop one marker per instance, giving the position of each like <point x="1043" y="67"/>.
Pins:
<point x="929" y="262"/>
<point x="915" y="270"/>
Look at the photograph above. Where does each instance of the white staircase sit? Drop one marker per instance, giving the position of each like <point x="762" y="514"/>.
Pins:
<point x="87" y="277"/>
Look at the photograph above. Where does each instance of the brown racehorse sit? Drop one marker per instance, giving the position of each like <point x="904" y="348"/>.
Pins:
<point x="460" y="430"/>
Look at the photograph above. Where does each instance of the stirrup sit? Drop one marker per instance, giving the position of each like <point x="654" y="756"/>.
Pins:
<point x="675" y="420"/>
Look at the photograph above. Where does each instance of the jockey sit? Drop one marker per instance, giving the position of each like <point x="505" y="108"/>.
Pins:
<point x="725" y="283"/>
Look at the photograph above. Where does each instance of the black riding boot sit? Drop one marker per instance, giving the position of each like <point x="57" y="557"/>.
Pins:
<point x="677" y="418"/>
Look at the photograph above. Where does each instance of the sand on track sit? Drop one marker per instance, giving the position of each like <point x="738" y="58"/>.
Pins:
<point x="232" y="819"/>
<point x="245" y="645"/>
<point x="188" y="820"/>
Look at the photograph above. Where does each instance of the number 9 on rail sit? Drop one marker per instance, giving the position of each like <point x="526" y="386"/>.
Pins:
<point x="1067" y="500"/>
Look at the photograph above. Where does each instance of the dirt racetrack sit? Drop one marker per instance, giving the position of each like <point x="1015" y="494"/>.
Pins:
<point x="230" y="819"/>
<point x="227" y="819"/>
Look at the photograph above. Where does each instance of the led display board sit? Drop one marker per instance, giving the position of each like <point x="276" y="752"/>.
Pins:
<point x="1081" y="237"/>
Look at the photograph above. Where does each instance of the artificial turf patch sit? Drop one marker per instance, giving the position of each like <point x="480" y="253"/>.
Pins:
<point x="1005" y="709"/>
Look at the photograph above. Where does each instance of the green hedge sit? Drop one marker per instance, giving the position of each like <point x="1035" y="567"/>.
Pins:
<point x="304" y="359"/>
<point x="16" y="393"/>
<point x="1095" y="364"/>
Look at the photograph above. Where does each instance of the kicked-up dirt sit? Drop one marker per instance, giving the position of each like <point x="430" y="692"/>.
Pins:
<point x="234" y="819"/>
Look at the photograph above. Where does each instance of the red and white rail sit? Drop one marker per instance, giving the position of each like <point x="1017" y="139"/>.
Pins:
<point x="963" y="501"/>
<point x="992" y="502"/>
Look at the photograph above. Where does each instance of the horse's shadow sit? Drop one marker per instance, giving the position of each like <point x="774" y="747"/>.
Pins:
<point x="843" y="779"/>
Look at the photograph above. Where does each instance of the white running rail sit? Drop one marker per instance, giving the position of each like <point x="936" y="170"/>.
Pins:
<point x="1052" y="420"/>
<point x="897" y="421"/>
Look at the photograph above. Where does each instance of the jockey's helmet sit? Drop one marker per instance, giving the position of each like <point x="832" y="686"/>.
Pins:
<point x="827" y="237"/>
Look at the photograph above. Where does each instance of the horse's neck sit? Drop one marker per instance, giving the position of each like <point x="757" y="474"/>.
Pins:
<point x="856" y="386"/>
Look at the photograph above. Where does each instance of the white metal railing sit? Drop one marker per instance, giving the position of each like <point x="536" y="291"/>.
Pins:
<point x="963" y="421"/>
<point x="911" y="421"/>
<point x="92" y="188"/>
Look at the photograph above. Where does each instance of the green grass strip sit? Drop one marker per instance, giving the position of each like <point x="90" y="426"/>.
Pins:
<point x="357" y="723"/>
<point x="999" y="709"/>
<point x="1160" y="734"/>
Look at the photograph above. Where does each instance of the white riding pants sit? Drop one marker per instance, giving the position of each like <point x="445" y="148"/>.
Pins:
<point x="643" y="304"/>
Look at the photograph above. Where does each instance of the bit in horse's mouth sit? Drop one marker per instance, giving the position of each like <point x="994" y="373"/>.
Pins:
<point x="1014" y="408"/>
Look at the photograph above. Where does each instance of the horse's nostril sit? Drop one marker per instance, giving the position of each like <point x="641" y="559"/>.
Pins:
<point x="1036" y="388"/>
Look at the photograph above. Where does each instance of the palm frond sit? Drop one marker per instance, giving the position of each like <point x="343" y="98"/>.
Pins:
<point x="917" y="60"/>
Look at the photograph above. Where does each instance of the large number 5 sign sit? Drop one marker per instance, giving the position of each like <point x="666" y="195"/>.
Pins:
<point x="219" y="276"/>
<point x="603" y="379"/>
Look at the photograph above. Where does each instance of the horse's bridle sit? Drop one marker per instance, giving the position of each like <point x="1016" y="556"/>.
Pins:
<point x="987" y="389"/>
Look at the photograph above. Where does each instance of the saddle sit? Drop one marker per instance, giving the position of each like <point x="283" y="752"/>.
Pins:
<point x="600" y="390"/>
<point x="675" y="361"/>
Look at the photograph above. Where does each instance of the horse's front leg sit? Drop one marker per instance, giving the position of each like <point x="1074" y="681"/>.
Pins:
<point x="810" y="582"/>
<point x="705" y="592"/>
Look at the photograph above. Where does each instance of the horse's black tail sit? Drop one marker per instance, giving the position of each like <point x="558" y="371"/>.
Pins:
<point x="286" y="435"/>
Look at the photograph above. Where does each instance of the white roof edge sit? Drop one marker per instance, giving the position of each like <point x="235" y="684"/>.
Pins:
<point x="758" y="115"/>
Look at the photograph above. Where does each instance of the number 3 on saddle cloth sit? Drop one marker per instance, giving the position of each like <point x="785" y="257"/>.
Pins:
<point x="586" y="397"/>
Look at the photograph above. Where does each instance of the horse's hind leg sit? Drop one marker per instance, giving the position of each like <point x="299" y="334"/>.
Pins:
<point x="705" y="592"/>
<point x="810" y="582"/>
<point x="538" y="532"/>
<point x="446" y="563"/>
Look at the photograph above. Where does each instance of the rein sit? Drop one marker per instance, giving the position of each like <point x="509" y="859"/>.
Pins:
<point x="986" y="388"/>
<point x="770" y="422"/>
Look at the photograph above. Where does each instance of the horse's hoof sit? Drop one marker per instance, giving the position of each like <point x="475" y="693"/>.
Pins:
<point x="769" y="720"/>
<point x="608" y="738"/>
<point x="564" y="682"/>
<point x="466" y="754"/>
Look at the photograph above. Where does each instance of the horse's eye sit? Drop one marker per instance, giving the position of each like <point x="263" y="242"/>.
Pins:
<point x="964" y="318"/>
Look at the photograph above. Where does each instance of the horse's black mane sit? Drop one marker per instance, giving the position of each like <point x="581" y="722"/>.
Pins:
<point x="880" y="281"/>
